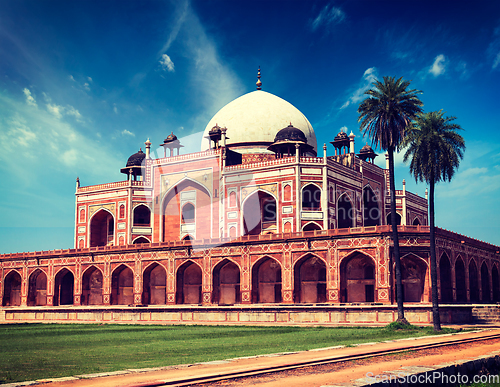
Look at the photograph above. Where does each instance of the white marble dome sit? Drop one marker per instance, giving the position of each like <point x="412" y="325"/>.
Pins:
<point x="254" y="119"/>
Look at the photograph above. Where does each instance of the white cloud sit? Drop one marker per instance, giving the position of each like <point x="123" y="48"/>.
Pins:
<point x="115" y="109"/>
<point x="496" y="62"/>
<point x="70" y="110"/>
<point x="86" y="86"/>
<point x="127" y="133"/>
<point x="72" y="78"/>
<point x="328" y="16"/>
<point x="29" y="98"/>
<point x="439" y="66"/>
<point x="166" y="63"/>
<point x="55" y="110"/>
<point x="369" y="76"/>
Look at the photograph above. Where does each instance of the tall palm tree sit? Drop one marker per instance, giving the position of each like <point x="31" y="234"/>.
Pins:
<point x="385" y="116"/>
<point x="435" y="149"/>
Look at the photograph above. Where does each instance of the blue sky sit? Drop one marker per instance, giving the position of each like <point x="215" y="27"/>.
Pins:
<point x="84" y="83"/>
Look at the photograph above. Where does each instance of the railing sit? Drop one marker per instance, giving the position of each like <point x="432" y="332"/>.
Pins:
<point x="118" y="184"/>
<point x="189" y="156"/>
<point x="260" y="164"/>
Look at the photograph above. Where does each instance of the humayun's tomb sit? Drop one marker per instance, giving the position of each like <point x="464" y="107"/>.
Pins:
<point x="259" y="226"/>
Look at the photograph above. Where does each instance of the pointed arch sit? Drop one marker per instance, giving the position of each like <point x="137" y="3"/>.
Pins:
<point x="371" y="207"/>
<point x="259" y="213"/>
<point x="226" y="283"/>
<point x="345" y="211"/>
<point x="92" y="281"/>
<point x="266" y="281"/>
<point x="188" y="283"/>
<point x="172" y="226"/>
<point x="122" y="285"/>
<point x="473" y="282"/>
<point x="64" y="287"/>
<point x="495" y="280"/>
<point x="357" y="278"/>
<point x="140" y="240"/>
<point x="460" y="280"/>
<point x="485" y="284"/>
<point x="445" y="279"/>
<point x="154" y="285"/>
<point x="12" y="289"/>
<point x="37" y="288"/>
<point x="309" y="280"/>
<point x="102" y="228"/>
<point x="414" y="271"/>
<point x="142" y="215"/>
<point x="416" y="221"/>
<point x="398" y="219"/>
<point x="311" y="226"/>
<point x="311" y="197"/>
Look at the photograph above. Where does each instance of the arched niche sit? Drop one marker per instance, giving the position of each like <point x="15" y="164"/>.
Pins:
<point x="485" y="284"/>
<point x="92" y="281"/>
<point x="496" y="283"/>
<point x="141" y="240"/>
<point x="226" y="283"/>
<point x="259" y="213"/>
<point x="311" y="226"/>
<point x="37" y="290"/>
<point x="413" y="271"/>
<point x="357" y="278"/>
<point x="179" y="220"/>
<point x="371" y="210"/>
<point x="189" y="280"/>
<point x="64" y="287"/>
<point x="142" y="216"/>
<point x="266" y="281"/>
<point x="310" y="280"/>
<point x="12" y="289"/>
<point x="154" y="285"/>
<point x="460" y="280"/>
<point x="345" y="212"/>
<point x="445" y="279"/>
<point x="473" y="282"/>
<point x="102" y="228"/>
<point x="398" y="219"/>
<point x="416" y="222"/>
<point x="311" y="198"/>
<point x="122" y="286"/>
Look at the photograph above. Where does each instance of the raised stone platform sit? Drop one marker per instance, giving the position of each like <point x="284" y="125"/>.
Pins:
<point x="240" y="314"/>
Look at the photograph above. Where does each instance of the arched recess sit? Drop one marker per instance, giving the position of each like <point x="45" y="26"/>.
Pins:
<point x="357" y="278"/>
<point x="188" y="283"/>
<point x="154" y="285"/>
<point x="187" y="213"/>
<point x="266" y="281"/>
<point x="259" y="213"/>
<point x="485" y="284"/>
<point x="460" y="280"/>
<point x="140" y="240"/>
<point x="371" y="210"/>
<point x="226" y="283"/>
<point x="122" y="286"/>
<point x="92" y="286"/>
<point x="287" y="193"/>
<point x="310" y="280"/>
<point x="311" y="226"/>
<point x="12" y="289"/>
<point x="445" y="279"/>
<point x="311" y="197"/>
<point x="172" y="225"/>
<point x="416" y="222"/>
<point x="495" y="280"/>
<point x="473" y="282"/>
<point x="345" y="212"/>
<point x="37" y="288"/>
<point x="413" y="270"/>
<point x="398" y="219"/>
<point x="142" y="216"/>
<point x="102" y="228"/>
<point x="64" y="287"/>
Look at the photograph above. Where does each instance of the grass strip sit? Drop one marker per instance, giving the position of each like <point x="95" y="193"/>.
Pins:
<point x="39" y="351"/>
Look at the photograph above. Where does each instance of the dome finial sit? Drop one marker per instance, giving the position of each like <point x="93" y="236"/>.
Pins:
<point x="259" y="83"/>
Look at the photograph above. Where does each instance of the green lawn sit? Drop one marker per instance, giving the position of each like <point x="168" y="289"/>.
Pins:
<point x="36" y="351"/>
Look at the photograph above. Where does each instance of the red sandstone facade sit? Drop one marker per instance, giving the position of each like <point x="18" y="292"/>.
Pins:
<point x="231" y="225"/>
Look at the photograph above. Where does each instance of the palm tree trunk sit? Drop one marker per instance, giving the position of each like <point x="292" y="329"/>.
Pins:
<point x="434" y="285"/>
<point x="395" y="240"/>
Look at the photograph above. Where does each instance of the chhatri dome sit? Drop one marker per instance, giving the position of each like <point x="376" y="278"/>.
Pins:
<point x="254" y="119"/>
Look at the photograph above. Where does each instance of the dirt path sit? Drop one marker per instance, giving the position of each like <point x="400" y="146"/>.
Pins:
<point x="311" y="376"/>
